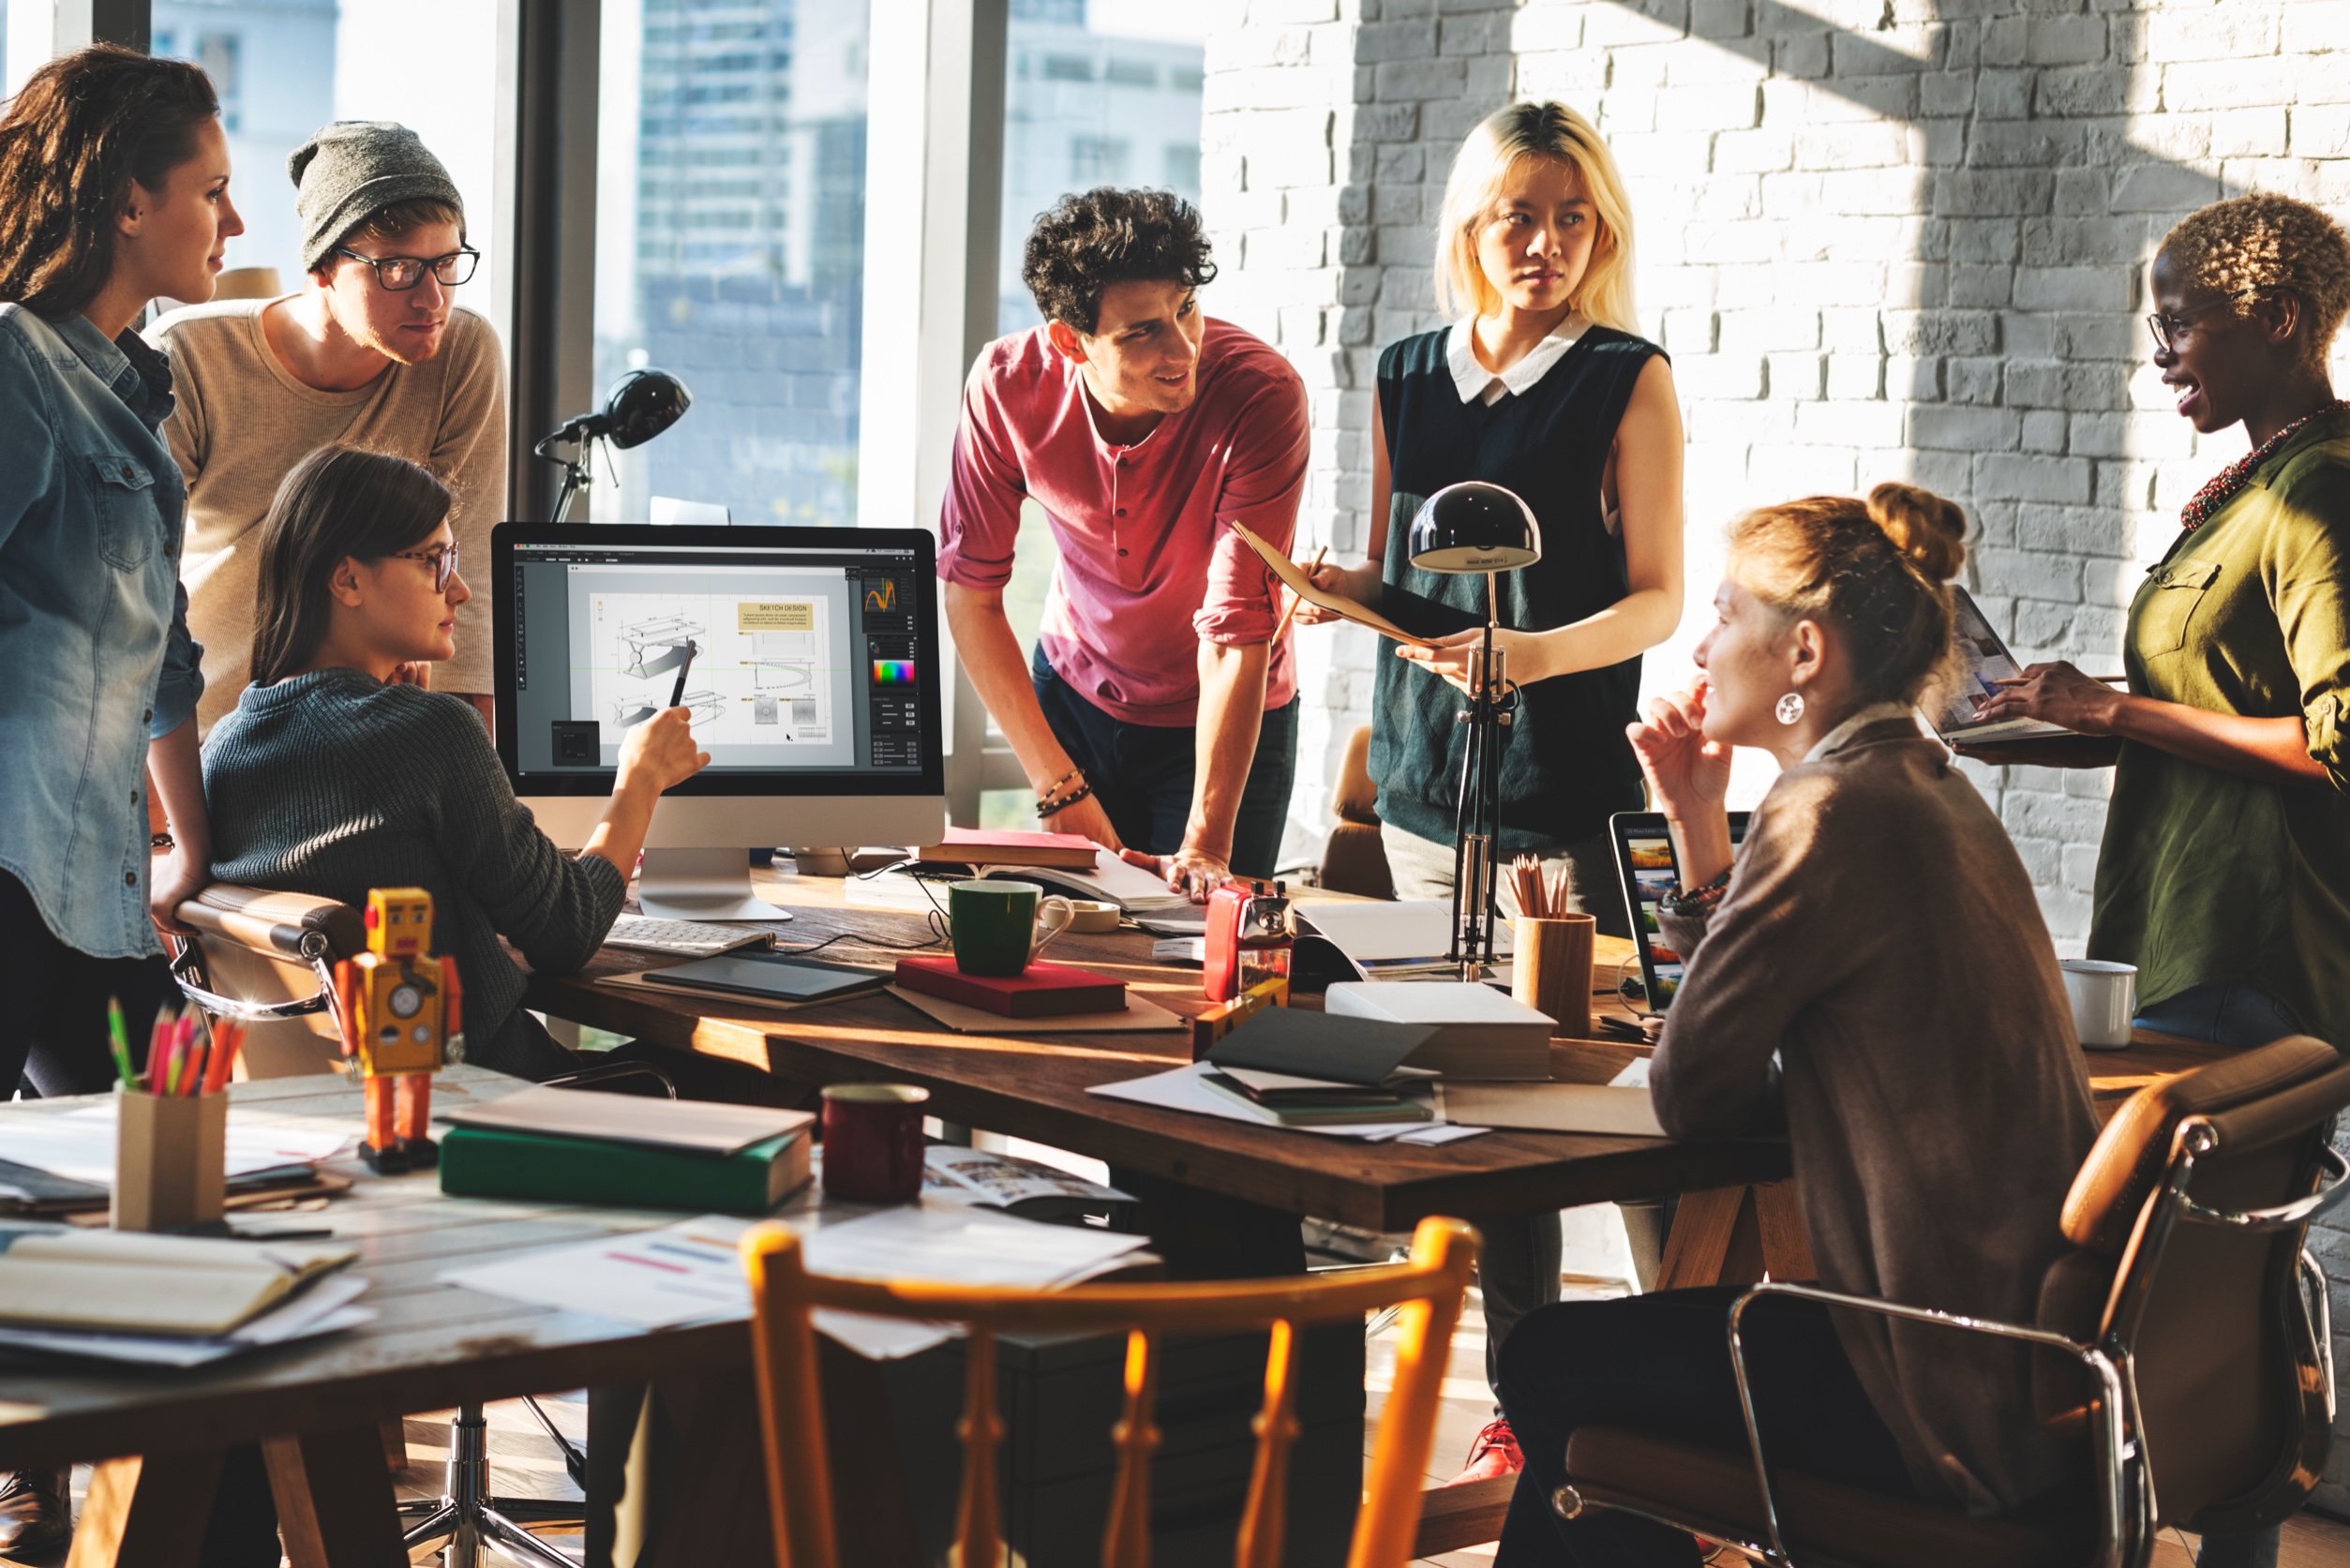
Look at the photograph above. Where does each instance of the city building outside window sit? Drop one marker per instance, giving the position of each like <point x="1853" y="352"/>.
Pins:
<point x="730" y="249"/>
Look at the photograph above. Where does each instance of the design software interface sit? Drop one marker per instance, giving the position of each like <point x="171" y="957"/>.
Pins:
<point x="796" y="659"/>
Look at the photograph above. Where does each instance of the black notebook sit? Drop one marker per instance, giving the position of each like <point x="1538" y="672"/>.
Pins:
<point x="776" y="977"/>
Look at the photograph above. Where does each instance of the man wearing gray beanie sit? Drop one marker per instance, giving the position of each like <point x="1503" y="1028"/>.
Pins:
<point x="371" y="348"/>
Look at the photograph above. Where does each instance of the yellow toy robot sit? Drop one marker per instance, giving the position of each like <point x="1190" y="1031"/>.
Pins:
<point x="399" y="1018"/>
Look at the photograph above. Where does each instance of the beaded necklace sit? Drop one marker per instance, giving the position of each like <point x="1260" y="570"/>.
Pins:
<point x="2224" y="485"/>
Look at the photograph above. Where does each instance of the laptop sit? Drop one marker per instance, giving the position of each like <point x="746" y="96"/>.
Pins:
<point x="1646" y="867"/>
<point x="1984" y="662"/>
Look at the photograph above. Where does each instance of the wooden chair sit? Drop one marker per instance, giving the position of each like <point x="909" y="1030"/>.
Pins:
<point x="1429" y="1288"/>
<point x="2184" y="1341"/>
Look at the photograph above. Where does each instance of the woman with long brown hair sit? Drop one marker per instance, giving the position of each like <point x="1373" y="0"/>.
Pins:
<point x="333" y="774"/>
<point x="113" y="191"/>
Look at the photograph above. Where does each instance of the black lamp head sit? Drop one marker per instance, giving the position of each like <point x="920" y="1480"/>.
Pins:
<point x="641" y="405"/>
<point x="1475" y="526"/>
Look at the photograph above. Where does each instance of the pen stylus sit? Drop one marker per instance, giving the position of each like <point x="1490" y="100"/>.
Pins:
<point x="677" y="693"/>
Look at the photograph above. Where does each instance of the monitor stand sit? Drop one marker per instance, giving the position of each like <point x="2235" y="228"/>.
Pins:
<point x="701" y="884"/>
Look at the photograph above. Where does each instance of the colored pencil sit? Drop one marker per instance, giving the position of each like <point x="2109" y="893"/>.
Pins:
<point x="159" y="1047"/>
<point x="224" y="1052"/>
<point x="119" y="1039"/>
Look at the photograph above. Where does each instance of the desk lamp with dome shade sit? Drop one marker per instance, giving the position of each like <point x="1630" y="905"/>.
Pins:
<point x="1462" y="529"/>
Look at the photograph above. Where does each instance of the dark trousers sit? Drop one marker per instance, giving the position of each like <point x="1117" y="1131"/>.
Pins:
<point x="52" y="1031"/>
<point x="54" y="1041"/>
<point x="1142" y="773"/>
<point x="1661" y="1363"/>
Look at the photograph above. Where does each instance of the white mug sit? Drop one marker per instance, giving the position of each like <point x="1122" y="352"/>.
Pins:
<point x="2104" y="998"/>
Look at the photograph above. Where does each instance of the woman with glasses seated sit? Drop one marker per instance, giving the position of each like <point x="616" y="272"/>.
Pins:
<point x="1870" y="974"/>
<point x="2225" y="875"/>
<point x="334" y="774"/>
<point x="370" y="350"/>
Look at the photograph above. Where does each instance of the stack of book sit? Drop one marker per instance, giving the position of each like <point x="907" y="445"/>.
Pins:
<point x="1475" y="1031"/>
<point x="573" y="1146"/>
<point x="173" y="1301"/>
<point x="1040" y="991"/>
<point x="1300" y="1069"/>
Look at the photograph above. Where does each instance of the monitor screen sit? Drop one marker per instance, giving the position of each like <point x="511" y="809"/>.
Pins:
<point x="809" y="656"/>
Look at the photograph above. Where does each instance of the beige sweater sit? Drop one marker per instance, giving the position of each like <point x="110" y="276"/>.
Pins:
<point x="243" y="420"/>
<point x="1879" y="934"/>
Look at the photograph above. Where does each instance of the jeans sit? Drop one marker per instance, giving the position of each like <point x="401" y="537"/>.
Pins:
<point x="1661" y="1363"/>
<point x="53" y="1033"/>
<point x="2245" y="1016"/>
<point x="1142" y="773"/>
<point x="1423" y="869"/>
<point x="2239" y="1015"/>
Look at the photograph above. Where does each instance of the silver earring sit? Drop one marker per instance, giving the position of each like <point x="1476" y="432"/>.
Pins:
<point x="1790" y="707"/>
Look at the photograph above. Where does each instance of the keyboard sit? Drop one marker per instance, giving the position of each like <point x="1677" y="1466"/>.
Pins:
<point x="684" y="938"/>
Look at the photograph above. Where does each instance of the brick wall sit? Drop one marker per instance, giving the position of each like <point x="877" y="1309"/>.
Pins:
<point x="1882" y="239"/>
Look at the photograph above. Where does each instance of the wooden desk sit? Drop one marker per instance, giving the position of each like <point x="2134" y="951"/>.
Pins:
<point x="1033" y="1085"/>
<point x="318" y="1405"/>
<point x="1739" y="1220"/>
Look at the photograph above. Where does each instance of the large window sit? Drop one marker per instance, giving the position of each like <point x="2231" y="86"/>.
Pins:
<point x="1096" y="92"/>
<point x="730" y="249"/>
<point x="285" y="68"/>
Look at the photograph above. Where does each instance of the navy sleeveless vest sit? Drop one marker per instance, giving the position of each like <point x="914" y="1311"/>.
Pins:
<point x="1566" y="763"/>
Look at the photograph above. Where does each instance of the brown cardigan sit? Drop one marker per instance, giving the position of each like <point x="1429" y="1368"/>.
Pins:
<point x="1881" y="936"/>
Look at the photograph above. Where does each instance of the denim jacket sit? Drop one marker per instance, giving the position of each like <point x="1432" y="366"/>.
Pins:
<point x="95" y="655"/>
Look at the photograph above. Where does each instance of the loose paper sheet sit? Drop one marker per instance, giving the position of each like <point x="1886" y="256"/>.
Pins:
<point x="1294" y="578"/>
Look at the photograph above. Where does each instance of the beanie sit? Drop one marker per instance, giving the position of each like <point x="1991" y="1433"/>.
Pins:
<point x="351" y="169"/>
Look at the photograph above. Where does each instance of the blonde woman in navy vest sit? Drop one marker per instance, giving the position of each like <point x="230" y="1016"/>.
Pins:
<point x="1542" y="385"/>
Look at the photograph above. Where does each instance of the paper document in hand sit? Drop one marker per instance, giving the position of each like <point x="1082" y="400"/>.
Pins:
<point x="1294" y="578"/>
<point x="81" y="1143"/>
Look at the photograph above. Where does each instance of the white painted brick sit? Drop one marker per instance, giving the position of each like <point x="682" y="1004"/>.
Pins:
<point x="2226" y="84"/>
<point x="1855" y="376"/>
<point x="1795" y="375"/>
<point x="2317" y="26"/>
<point x="1539" y="27"/>
<point x="2250" y="133"/>
<point x="1856" y="423"/>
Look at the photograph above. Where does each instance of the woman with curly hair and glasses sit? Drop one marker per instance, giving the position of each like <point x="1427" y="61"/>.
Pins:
<point x="2225" y="875"/>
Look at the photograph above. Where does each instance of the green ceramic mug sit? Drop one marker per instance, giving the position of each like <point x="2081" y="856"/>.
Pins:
<point x="999" y="927"/>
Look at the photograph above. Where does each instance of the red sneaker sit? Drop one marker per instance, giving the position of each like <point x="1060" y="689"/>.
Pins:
<point x="1492" y="1454"/>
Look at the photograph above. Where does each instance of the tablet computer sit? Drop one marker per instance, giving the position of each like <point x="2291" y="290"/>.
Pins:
<point x="1984" y="662"/>
<point x="778" y="978"/>
<point x="1646" y="867"/>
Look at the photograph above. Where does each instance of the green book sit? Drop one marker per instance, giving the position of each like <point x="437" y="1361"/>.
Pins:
<point x="479" y="1163"/>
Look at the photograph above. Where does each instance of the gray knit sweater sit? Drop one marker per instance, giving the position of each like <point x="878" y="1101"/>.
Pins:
<point x="331" y="784"/>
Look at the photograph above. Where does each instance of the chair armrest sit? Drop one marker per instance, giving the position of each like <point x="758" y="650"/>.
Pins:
<point x="276" y="924"/>
<point x="2114" y="1448"/>
<point x="2333" y="1186"/>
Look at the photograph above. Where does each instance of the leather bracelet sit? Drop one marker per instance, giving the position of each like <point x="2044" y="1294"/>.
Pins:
<point x="161" y="840"/>
<point x="1046" y="793"/>
<point x="1047" y="808"/>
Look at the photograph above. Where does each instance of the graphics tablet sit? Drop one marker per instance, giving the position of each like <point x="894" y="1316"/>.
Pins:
<point x="1647" y="871"/>
<point x="778" y="978"/>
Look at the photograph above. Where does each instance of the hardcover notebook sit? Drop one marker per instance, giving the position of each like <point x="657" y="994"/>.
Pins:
<point x="1042" y="991"/>
<point x="1000" y="846"/>
<point x="693" y="1126"/>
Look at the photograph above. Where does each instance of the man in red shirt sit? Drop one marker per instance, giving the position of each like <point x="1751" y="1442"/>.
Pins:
<point x="1159" y="714"/>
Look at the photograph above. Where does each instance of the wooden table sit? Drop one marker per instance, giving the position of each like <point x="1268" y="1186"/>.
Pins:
<point x="318" y="1406"/>
<point x="1738" y="1219"/>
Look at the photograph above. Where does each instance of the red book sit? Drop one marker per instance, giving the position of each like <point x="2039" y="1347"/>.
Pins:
<point x="1046" y="990"/>
<point x="1004" y="846"/>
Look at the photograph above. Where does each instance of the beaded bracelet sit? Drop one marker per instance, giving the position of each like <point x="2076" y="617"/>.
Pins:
<point x="1047" y="808"/>
<point x="1678" y="901"/>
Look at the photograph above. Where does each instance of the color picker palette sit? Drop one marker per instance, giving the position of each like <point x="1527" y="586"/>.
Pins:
<point x="894" y="672"/>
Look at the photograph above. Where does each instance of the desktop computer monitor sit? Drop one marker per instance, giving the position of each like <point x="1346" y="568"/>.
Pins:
<point x="813" y="678"/>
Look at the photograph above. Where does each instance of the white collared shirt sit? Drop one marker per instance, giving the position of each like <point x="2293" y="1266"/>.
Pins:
<point x="1479" y="384"/>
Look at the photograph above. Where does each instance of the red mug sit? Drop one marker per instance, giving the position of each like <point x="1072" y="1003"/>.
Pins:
<point x="873" y="1143"/>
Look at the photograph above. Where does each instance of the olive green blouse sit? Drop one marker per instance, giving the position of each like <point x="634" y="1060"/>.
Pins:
<point x="2206" y="879"/>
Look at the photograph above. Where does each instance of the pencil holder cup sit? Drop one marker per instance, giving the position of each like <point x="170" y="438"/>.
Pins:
<point x="1550" y="970"/>
<point x="170" y="1159"/>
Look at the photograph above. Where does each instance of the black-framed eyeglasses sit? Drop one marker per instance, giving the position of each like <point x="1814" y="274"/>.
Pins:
<point x="440" y="558"/>
<point x="2166" y="327"/>
<point x="401" y="274"/>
